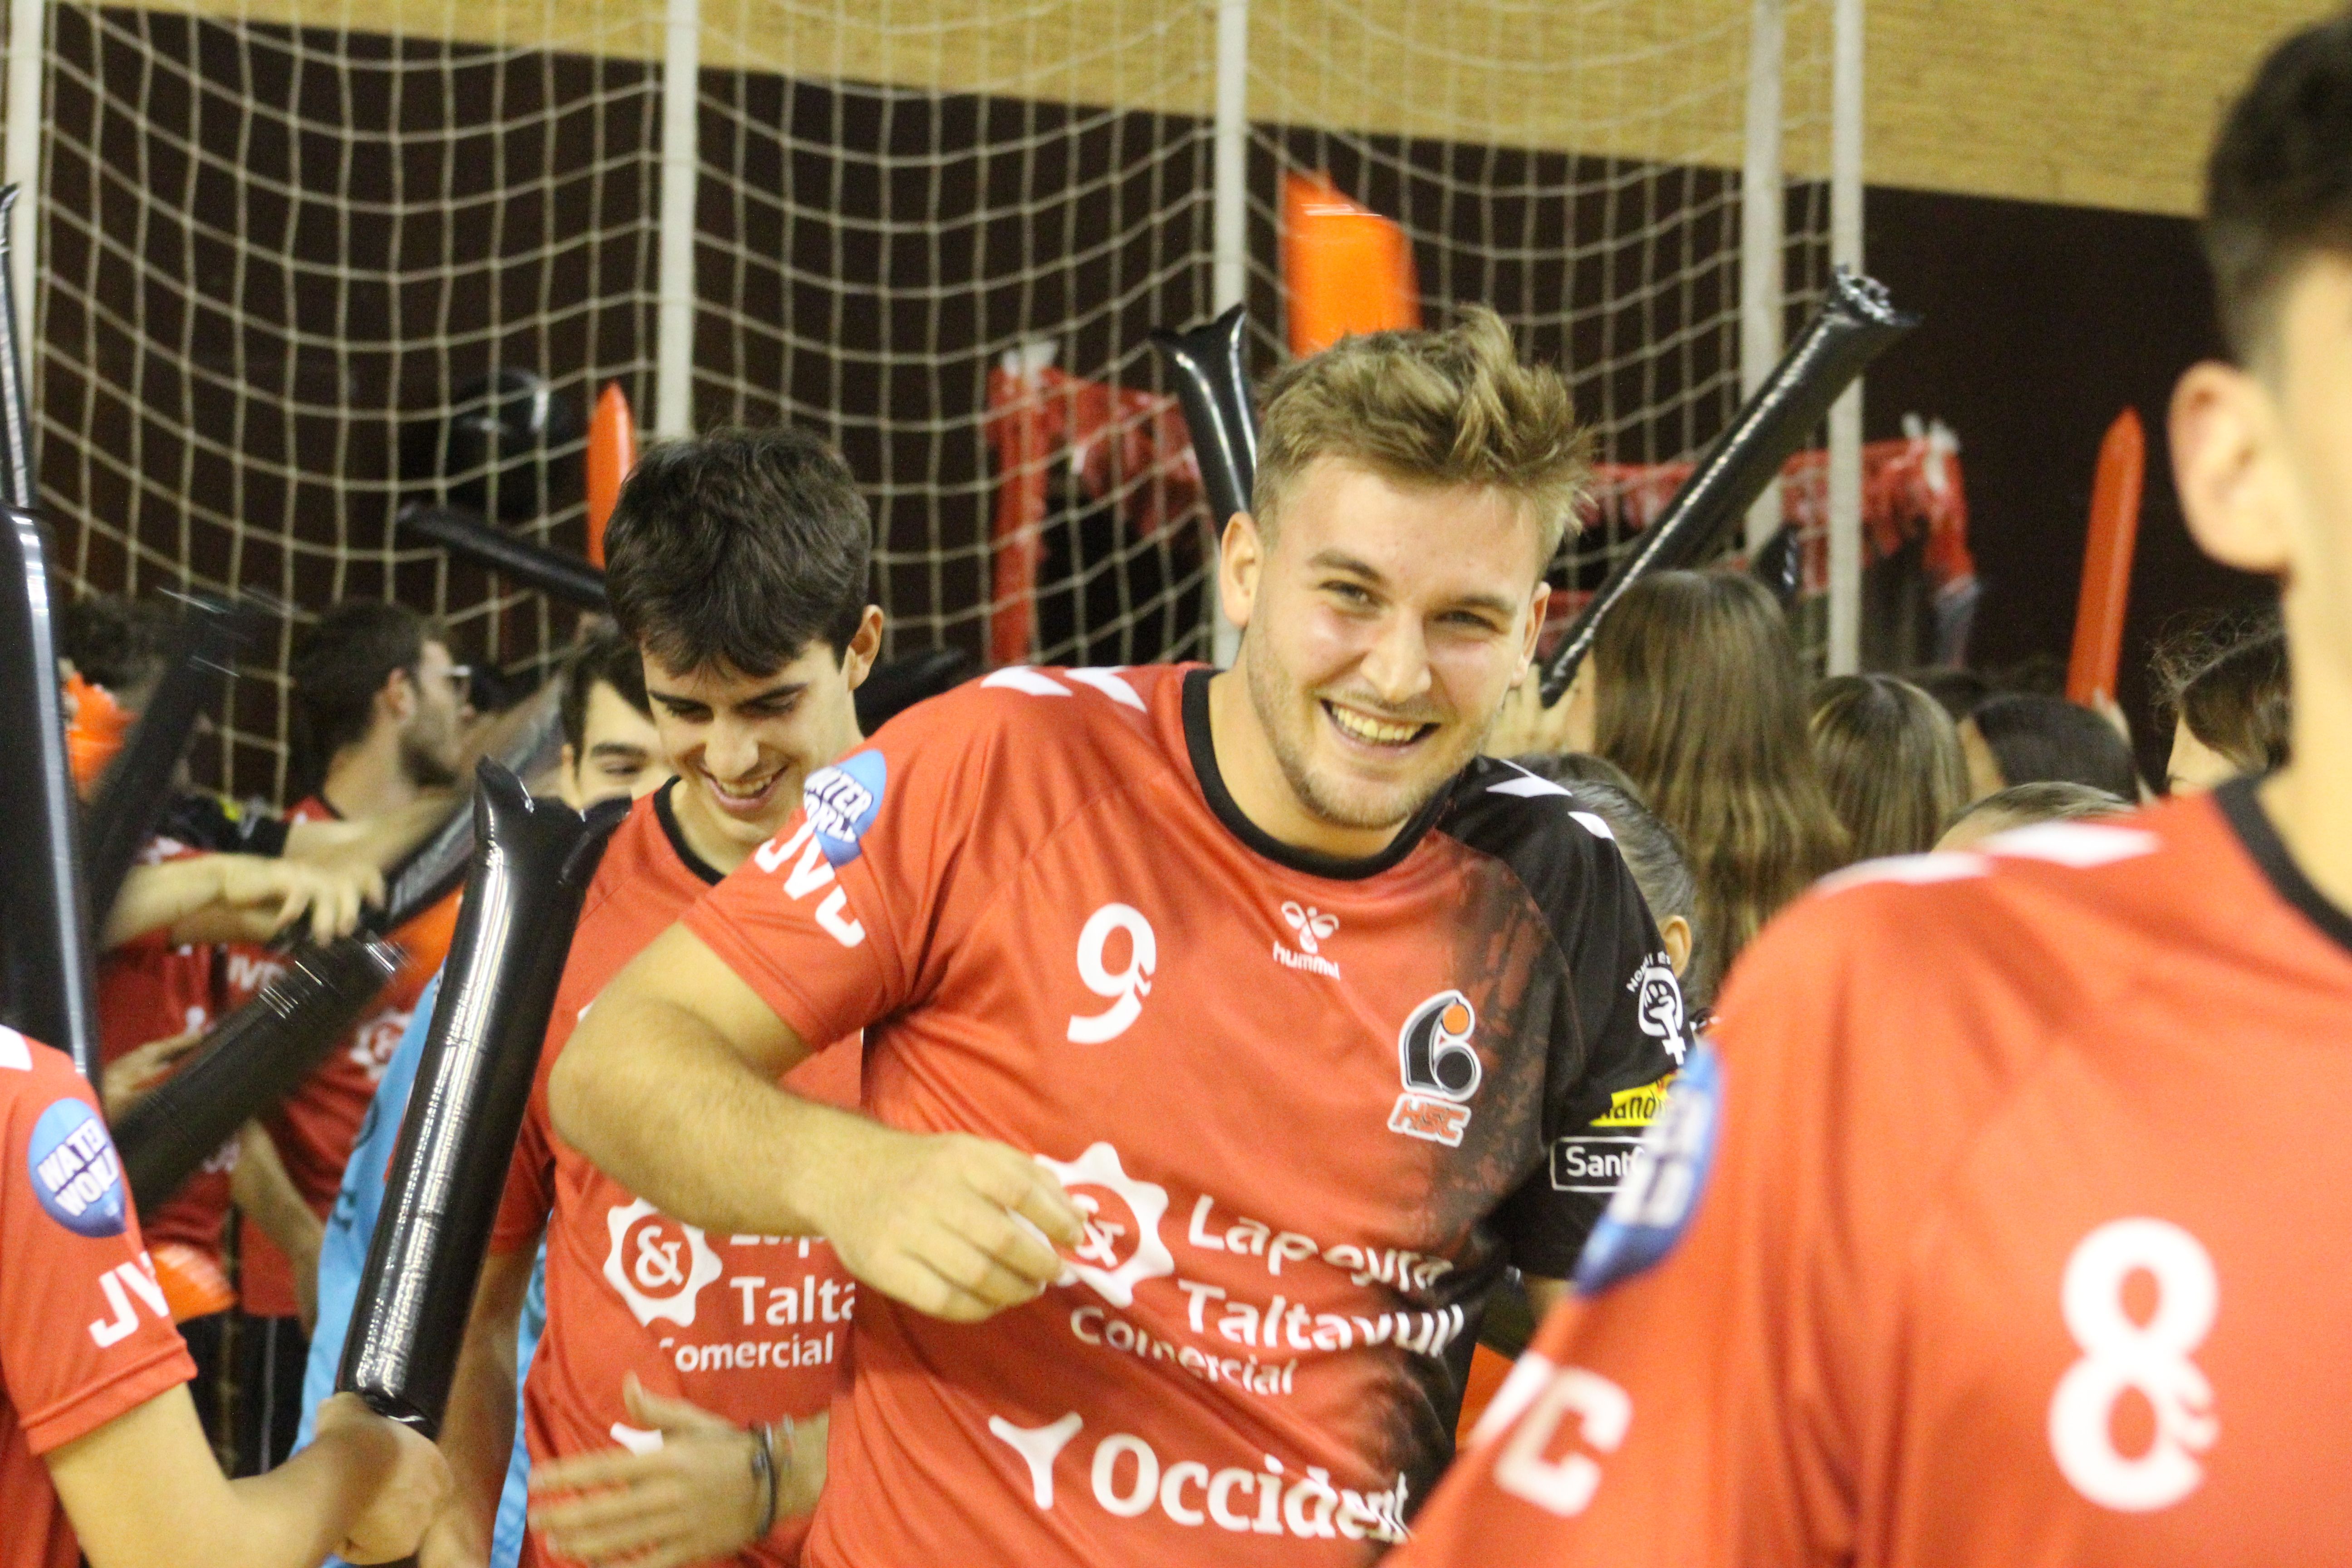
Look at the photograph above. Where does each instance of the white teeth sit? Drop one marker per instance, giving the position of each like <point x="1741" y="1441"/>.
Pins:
<point x="1372" y="730"/>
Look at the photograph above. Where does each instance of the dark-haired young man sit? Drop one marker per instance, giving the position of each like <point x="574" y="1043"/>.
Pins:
<point x="1257" y="993"/>
<point x="383" y="711"/>
<point x="2006" y="1227"/>
<point x="737" y="568"/>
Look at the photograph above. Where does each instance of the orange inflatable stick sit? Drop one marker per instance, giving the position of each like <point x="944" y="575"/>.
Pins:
<point x="1345" y="268"/>
<point x="100" y="726"/>
<point x="2108" y="561"/>
<point x="612" y="453"/>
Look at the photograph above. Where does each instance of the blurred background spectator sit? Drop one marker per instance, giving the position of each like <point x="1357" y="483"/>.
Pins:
<point x="1890" y="758"/>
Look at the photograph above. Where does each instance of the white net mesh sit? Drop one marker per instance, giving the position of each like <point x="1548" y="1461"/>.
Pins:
<point x="938" y="234"/>
<point x="1575" y="165"/>
<point x="274" y="256"/>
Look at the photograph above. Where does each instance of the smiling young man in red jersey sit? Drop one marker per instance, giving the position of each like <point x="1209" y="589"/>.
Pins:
<point x="737" y="563"/>
<point x="2008" y="1227"/>
<point x="1258" y="993"/>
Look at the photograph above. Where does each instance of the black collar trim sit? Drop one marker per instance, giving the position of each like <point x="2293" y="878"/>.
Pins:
<point x="2243" y="809"/>
<point x="1203" y="752"/>
<point x="677" y="836"/>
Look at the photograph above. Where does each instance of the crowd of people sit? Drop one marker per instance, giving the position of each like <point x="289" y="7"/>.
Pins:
<point x="1116" y="1115"/>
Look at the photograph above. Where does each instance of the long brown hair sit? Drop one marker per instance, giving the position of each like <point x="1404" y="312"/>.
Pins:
<point x="1890" y="757"/>
<point x="1701" y="699"/>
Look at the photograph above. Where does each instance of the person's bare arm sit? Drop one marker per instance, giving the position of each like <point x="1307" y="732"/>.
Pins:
<point x="477" y="1430"/>
<point x="260" y="1187"/>
<point x="381" y="841"/>
<point x="145" y="1491"/>
<point x="669" y="1085"/>
<point x="239" y="897"/>
<point x="696" y="1498"/>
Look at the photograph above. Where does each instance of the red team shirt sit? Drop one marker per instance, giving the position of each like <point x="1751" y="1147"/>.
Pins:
<point x="84" y="1332"/>
<point x="752" y="1328"/>
<point x="315" y="1128"/>
<point x="1309" y="1108"/>
<point x="2022" y="1241"/>
<point x="151" y="989"/>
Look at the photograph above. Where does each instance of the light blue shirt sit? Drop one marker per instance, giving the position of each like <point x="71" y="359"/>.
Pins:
<point x="342" y="1256"/>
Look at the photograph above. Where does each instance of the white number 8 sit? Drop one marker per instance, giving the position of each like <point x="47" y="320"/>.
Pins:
<point x="2151" y="1357"/>
<point x="1127" y="987"/>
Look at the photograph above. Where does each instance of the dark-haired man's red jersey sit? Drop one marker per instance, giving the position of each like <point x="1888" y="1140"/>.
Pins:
<point x="151" y="989"/>
<point x="2012" y="1233"/>
<point x="85" y="1335"/>
<point x="751" y="1328"/>
<point x="315" y="1130"/>
<point x="1310" y="1107"/>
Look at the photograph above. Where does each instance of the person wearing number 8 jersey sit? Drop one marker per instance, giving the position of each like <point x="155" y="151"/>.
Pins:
<point x="1287" y="1017"/>
<point x="2011" y="1193"/>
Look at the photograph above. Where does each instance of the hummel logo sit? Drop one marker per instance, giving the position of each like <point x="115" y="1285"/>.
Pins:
<point x="1311" y="924"/>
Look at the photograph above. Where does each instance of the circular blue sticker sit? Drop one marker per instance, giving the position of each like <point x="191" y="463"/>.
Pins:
<point x="75" y="1172"/>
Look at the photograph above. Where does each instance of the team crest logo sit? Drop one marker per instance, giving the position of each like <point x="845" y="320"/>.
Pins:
<point x="1658" y="1003"/>
<point x="1440" y="1069"/>
<point x="840" y="802"/>
<point x="1122" y="1247"/>
<point x="659" y="1266"/>
<point x="76" y="1174"/>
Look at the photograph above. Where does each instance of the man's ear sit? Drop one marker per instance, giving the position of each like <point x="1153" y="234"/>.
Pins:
<point x="2229" y="464"/>
<point x="398" y="695"/>
<point x="865" y="648"/>
<point x="1675" y="934"/>
<point x="1536" y="606"/>
<point x="1240" y="557"/>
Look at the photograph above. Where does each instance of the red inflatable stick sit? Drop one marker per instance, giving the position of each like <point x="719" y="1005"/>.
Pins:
<point x="2108" y="561"/>
<point x="612" y="453"/>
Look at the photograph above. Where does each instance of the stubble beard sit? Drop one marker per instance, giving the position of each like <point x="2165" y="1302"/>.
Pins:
<point x="426" y="767"/>
<point x="1272" y="698"/>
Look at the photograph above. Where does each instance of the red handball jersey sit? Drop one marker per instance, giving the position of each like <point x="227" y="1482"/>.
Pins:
<point x="2009" y="1231"/>
<point x="151" y="989"/>
<point x="1311" y="1108"/>
<point x="315" y="1130"/>
<point x="751" y="1328"/>
<point x="84" y="1331"/>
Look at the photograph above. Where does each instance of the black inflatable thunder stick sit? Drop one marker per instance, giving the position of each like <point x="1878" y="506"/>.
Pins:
<point x="531" y="869"/>
<point x="470" y="536"/>
<point x="138" y="784"/>
<point x="47" y="981"/>
<point x="259" y="1053"/>
<point x="258" y="1056"/>
<point x="1212" y="384"/>
<point x="1856" y="323"/>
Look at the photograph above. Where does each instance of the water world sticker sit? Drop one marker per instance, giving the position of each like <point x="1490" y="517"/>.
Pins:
<point x="75" y="1171"/>
<point x="840" y="802"/>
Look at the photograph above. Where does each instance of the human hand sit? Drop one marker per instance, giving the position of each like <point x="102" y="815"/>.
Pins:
<point x="1525" y="726"/>
<point x="694" y="1498"/>
<point x="129" y="1077"/>
<point x="955" y="1226"/>
<point x="268" y="895"/>
<point x="412" y="1481"/>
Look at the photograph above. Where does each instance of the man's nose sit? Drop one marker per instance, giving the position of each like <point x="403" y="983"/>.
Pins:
<point x="730" y="751"/>
<point x="1396" y="666"/>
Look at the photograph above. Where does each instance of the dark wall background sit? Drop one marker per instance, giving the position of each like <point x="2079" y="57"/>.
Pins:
<point x="2043" y="323"/>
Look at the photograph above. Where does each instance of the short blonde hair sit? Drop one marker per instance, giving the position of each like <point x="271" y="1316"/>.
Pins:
<point x="1452" y="407"/>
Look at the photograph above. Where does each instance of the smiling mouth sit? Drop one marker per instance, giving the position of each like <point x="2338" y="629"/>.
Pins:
<point x="742" y="800"/>
<point x="1388" y="734"/>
